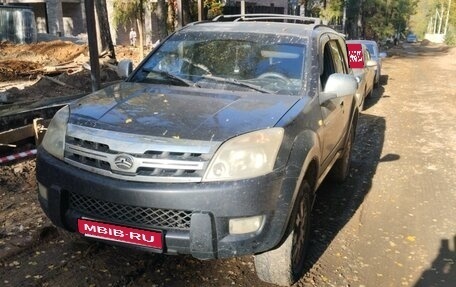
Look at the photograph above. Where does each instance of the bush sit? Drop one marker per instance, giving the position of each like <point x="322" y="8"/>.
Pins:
<point x="450" y="37"/>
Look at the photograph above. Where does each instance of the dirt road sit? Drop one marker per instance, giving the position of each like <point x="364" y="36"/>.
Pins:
<point x="391" y="224"/>
<point x="398" y="217"/>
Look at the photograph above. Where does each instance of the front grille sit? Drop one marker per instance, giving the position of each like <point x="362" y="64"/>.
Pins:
<point x="129" y="214"/>
<point x="137" y="158"/>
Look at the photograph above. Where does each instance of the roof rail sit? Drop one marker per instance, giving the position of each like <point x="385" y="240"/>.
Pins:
<point x="268" y="17"/>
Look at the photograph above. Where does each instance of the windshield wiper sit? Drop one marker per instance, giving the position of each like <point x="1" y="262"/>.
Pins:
<point x="237" y="83"/>
<point x="169" y="76"/>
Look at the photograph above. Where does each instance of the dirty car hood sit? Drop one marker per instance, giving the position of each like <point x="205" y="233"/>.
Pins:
<point x="179" y="112"/>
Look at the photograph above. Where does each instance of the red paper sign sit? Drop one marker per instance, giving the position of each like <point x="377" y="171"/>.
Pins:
<point x="355" y="56"/>
<point x="119" y="233"/>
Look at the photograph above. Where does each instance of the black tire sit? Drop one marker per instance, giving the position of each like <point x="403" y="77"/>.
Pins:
<point x="284" y="265"/>
<point x="341" y="168"/>
<point x="377" y="81"/>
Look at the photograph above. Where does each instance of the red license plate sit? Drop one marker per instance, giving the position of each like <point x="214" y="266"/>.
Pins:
<point x="112" y="232"/>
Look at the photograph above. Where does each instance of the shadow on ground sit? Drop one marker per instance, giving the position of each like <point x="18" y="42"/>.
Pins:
<point x="336" y="204"/>
<point x="442" y="272"/>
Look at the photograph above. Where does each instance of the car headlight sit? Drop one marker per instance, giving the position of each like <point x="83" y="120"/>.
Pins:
<point x="246" y="156"/>
<point x="54" y="139"/>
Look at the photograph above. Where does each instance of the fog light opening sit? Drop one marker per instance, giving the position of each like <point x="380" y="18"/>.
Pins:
<point x="245" y="224"/>
<point x="43" y="191"/>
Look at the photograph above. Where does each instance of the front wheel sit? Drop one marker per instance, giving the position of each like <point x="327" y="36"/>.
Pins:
<point x="284" y="265"/>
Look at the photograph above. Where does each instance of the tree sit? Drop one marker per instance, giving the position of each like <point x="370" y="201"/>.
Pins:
<point x="160" y="11"/>
<point x="93" y="46"/>
<point x="129" y="12"/>
<point x="378" y="18"/>
<point x="172" y="16"/>
<point x="105" y="45"/>
<point x="333" y="12"/>
<point x="447" y="20"/>
<point x="213" y="8"/>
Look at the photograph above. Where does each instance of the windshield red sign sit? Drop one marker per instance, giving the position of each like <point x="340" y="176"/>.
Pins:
<point x="118" y="233"/>
<point x="355" y="56"/>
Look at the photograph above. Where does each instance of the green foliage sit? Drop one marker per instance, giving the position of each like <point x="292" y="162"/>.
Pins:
<point x="127" y="11"/>
<point x="453" y="13"/>
<point x="373" y="19"/>
<point x="333" y="11"/>
<point x="381" y="18"/>
<point x="214" y="8"/>
<point x="450" y="37"/>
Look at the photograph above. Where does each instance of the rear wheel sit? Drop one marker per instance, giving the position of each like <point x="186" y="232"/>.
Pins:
<point x="284" y="265"/>
<point x="341" y="168"/>
<point x="377" y="81"/>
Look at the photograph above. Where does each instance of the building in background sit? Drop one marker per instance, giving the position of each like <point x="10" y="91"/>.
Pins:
<point x="17" y="24"/>
<point x="55" y="17"/>
<point x="67" y="17"/>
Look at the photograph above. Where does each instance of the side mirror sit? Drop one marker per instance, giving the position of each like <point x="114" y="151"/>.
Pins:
<point x="124" y="68"/>
<point x="382" y="55"/>
<point x="338" y="86"/>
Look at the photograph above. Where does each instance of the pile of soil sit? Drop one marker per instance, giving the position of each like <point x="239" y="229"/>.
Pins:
<point x="25" y="70"/>
<point x="424" y="48"/>
<point x="76" y="84"/>
<point x="28" y="59"/>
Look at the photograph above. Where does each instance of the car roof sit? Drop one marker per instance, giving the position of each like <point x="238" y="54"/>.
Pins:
<point x="264" y="24"/>
<point x="368" y="42"/>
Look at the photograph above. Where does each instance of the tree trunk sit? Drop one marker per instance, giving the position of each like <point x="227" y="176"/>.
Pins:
<point x="305" y="4"/>
<point x="93" y="46"/>
<point x="161" y="14"/>
<point x="105" y="44"/>
<point x="186" y="17"/>
<point x="171" y="19"/>
<point x="140" y="25"/>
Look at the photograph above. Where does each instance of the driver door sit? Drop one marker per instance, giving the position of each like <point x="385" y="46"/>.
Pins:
<point x="335" y="111"/>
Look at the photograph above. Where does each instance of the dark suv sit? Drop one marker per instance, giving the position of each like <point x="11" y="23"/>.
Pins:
<point x="214" y="146"/>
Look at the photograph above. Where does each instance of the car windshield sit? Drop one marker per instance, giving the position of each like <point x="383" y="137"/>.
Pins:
<point x="228" y="61"/>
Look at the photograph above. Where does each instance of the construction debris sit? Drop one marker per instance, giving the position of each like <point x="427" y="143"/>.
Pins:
<point x="38" y="79"/>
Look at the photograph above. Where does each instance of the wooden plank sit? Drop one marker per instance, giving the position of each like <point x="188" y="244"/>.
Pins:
<point x="17" y="134"/>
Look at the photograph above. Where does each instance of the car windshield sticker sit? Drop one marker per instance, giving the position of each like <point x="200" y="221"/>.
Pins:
<point x="355" y="56"/>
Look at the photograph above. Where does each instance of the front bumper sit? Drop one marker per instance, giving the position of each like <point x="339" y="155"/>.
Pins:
<point x="194" y="217"/>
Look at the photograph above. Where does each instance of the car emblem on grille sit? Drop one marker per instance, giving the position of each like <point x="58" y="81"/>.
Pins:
<point x="124" y="161"/>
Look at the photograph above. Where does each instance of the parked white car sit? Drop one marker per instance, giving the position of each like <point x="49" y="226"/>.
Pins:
<point x="375" y="54"/>
<point x="365" y="76"/>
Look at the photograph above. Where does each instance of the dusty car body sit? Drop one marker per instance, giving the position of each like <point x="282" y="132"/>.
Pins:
<point x="365" y="76"/>
<point x="214" y="146"/>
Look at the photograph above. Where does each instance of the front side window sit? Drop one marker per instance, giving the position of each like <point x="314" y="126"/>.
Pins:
<point x="333" y="62"/>
<point x="337" y="57"/>
<point x="228" y="61"/>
